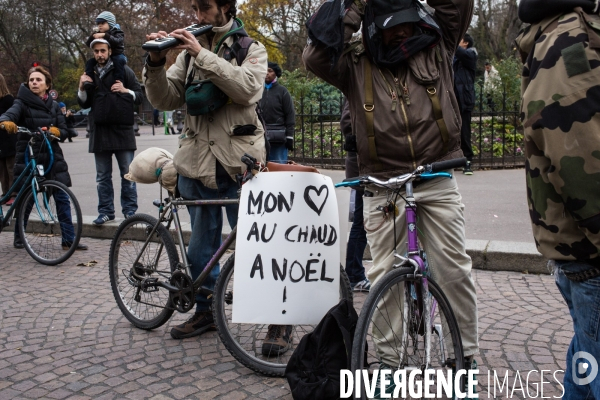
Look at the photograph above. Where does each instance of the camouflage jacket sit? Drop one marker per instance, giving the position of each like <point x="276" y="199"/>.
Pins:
<point x="561" y="118"/>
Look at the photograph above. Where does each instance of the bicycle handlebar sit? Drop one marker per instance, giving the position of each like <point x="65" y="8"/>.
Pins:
<point x="429" y="170"/>
<point x="448" y="164"/>
<point x="45" y="135"/>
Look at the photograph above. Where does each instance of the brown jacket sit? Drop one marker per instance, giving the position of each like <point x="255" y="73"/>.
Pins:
<point x="408" y="136"/>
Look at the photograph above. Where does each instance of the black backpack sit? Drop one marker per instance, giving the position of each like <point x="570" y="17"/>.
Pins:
<point x="313" y="371"/>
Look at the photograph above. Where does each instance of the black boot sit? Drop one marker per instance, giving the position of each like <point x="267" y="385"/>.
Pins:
<point x="18" y="243"/>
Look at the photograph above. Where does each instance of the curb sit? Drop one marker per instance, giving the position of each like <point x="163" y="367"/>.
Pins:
<point x="489" y="255"/>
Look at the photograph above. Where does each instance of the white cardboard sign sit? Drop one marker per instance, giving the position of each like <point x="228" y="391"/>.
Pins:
<point x="287" y="258"/>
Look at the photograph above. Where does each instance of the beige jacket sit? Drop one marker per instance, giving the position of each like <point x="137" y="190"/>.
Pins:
<point x="406" y="135"/>
<point x="208" y="138"/>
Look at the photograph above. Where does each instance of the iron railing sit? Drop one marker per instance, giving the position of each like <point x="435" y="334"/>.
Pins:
<point x="496" y="132"/>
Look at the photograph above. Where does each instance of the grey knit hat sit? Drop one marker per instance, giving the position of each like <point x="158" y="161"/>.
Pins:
<point x="108" y="17"/>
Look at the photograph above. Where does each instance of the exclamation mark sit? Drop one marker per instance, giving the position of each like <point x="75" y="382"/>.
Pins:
<point x="284" y="297"/>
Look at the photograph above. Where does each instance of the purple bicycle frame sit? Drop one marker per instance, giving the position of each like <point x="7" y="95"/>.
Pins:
<point x="413" y="240"/>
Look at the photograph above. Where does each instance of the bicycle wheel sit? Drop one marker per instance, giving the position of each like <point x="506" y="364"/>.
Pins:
<point x="144" y="308"/>
<point x="244" y="341"/>
<point x="390" y="333"/>
<point x="49" y="222"/>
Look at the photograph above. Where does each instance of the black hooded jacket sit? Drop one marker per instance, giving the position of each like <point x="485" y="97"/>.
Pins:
<point x="8" y="143"/>
<point x="30" y="111"/>
<point x="115" y="37"/>
<point x="111" y="137"/>
<point x="465" y="64"/>
<point x="277" y="108"/>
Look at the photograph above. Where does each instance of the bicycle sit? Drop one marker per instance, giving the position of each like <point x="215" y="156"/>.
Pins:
<point x="149" y="281"/>
<point x="406" y="322"/>
<point x="45" y="208"/>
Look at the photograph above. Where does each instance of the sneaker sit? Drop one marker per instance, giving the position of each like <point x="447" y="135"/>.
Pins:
<point x="102" y="218"/>
<point x="67" y="246"/>
<point x="129" y="215"/>
<point x="467" y="169"/>
<point x="470" y="363"/>
<point x="195" y="326"/>
<point x="362" y="286"/>
<point x="278" y="340"/>
<point x="389" y="389"/>
<point x="10" y="201"/>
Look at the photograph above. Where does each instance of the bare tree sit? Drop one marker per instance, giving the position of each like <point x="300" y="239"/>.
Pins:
<point x="495" y="26"/>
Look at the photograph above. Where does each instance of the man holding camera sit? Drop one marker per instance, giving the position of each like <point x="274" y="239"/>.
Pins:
<point x="221" y="125"/>
<point x="111" y="129"/>
<point x="397" y="77"/>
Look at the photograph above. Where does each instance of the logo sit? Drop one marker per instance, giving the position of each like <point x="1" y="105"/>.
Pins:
<point x="387" y="20"/>
<point x="584" y="363"/>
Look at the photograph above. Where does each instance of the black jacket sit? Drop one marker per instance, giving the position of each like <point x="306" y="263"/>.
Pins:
<point x="8" y="142"/>
<point x="115" y="37"/>
<point x="277" y="108"/>
<point x="111" y="137"/>
<point x="32" y="112"/>
<point x="465" y="64"/>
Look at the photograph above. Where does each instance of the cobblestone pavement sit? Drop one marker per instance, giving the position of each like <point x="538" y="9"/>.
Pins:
<point x="62" y="336"/>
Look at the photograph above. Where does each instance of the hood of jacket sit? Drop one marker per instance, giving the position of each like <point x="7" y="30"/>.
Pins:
<point x="32" y="100"/>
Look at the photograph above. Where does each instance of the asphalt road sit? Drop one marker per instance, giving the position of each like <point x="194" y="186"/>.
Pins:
<point x="495" y="200"/>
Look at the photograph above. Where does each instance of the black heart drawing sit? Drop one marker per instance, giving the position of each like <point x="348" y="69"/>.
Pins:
<point x="310" y="201"/>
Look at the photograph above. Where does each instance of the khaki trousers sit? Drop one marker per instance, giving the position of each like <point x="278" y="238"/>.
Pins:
<point x="441" y="229"/>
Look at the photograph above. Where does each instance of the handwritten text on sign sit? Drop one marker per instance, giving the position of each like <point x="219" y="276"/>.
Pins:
<point x="287" y="260"/>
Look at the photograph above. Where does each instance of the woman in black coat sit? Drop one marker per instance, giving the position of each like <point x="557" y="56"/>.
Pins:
<point x="8" y="144"/>
<point x="34" y="109"/>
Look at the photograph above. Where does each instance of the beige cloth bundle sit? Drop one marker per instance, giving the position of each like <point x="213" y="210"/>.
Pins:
<point x="153" y="165"/>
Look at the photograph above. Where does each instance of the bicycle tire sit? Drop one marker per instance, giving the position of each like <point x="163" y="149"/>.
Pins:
<point x="42" y="224"/>
<point x="364" y="351"/>
<point x="159" y="260"/>
<point x="248" y="352"/>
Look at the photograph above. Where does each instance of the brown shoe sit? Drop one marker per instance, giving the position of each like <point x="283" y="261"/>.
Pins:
<point x="278" y="340"/>
<point x="195" y="326"/>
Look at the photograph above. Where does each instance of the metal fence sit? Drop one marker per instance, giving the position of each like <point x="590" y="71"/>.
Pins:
<point x="496" y="132"/>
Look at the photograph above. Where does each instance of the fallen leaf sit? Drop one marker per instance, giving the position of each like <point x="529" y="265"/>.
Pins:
<point x="88" y="264"/>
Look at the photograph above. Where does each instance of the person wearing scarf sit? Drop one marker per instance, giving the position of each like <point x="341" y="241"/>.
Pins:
<point x="34" y="109"/>
<point x="405" y="53"/>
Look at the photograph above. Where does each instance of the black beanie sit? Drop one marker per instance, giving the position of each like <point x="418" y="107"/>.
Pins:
<point x="276" y="68"/>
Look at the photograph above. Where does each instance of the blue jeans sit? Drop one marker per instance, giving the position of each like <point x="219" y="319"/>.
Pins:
<point x="583" y="299"/>
<point x="63" y="213"/>
<point x="207" y="224"/>
<point x="104" y="183"/>
<point x="357" y="242"/>
<point x="278" y="153"/>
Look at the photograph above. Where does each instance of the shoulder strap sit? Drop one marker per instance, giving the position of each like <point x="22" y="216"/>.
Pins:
<point x="369" y="107"/>
<point x="190" y="77"/>
<point x="239" y="49"/>
<point x="439" y="116"/>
